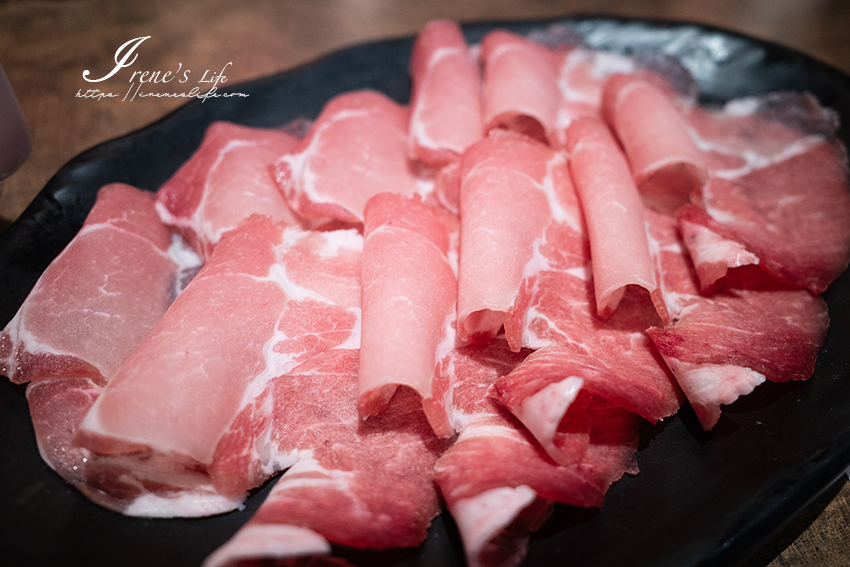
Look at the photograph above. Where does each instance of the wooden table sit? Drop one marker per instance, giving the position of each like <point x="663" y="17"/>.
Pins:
<point x="45" y="46"/>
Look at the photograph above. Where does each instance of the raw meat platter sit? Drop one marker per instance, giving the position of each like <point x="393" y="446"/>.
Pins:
<point x="701" y="498"/>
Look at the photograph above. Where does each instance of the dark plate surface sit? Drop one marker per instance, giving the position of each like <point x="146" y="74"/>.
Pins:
<point x="700" y="499"/>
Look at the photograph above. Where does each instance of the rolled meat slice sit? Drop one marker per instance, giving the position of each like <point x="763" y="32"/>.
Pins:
<point x="665" y="162"/>
<point x="226" y="180"/>
<point x="520" y="85"/>
<point x="409" y="296"/>
<point x="445" y="116"/>
<point x="581" y="356"/>
<point x="614" y="215"/>
<point x="356" y="149"/>
<point x="353" y="483"/>
<point x="193" y="398"/>
<point x="510" y="191"/>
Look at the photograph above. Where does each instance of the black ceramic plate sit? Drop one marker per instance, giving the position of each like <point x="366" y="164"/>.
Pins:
<point x="700" y="499"/>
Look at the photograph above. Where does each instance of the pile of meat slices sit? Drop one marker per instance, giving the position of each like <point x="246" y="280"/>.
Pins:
<point x="473" y="299"/>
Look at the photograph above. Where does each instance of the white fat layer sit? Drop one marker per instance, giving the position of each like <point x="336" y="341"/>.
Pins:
<point x="560" y="214"/>
<point x="482" y="517"/>
<point x="449" y="338"/>
<point x="708" y="386"/>
<point x="746" y="106"/>
<point x="477" y="426"/>
<point x="453" y="416"/>
<point x="673" y="302"/>
<point x="269" y="542"/>
<point x="542" y="412"/>
<point x="710" y="247"/>
<point x="182" y="254"/>
<point x="184" y="505"/>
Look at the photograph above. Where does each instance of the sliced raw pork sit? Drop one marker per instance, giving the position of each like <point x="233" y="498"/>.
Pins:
<point x="356" y="149"/>
<point x="497" y="483"/>
<point x="666" y="164"/>
<point x="723" y="344"/>
<point x="778" y="196"/>
<point x="580" y="355"/>
<point x="511" y="188"/>
<point x="581" y="78"/>
<point x="91" y="307"/>
<point x="445" y="114"/>
<point x="352" y="482"/>
<point x="226" y="180"/>
<point x="194" y="396"/>
<point x="520" y="85"/>
<point x="89" y="310"/>
<point x="409" y="295"/>
<point x="614" y="214"/>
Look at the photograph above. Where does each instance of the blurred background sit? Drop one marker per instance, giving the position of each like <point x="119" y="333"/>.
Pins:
<point x="45" y="45"/>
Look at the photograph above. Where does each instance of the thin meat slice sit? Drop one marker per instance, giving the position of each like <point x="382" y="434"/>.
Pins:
<point x="91" y="308"/>
<point x="723" y="344"/>
<point x="520" y="85"/>
<point x="497" y="506"/>
<point x="778" y="196"/>
<point x="588" y="359"/>
<point x="353" y="483"/>
<point x="511" y="189"/>
<point x="614" y="214"/>
<point x="409" y="296"/>
<point x="445" y="114"/>
<point x="581" y="356"/>
<point x="226" y="180"/>
<point x="581" y="78"/>
<point x="666" y="164"/>
<point x="356" y="149"/>
<point x="199" y="382"/>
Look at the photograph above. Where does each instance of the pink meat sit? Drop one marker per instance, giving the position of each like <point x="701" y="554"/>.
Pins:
<point x="226" y="180"/>
<point x="354" y="483"/>
<point x="446" y="101"/>
<point x="520" y="85"/>
<point x="581" y="355"/>
<point x="57" y="407"/>
<point x="588" y="359"/>
<point x="581" y="79"/>
<point x="510" y="190"/>
<point x="356" y="149"/>
<point x="496" y="506"/>
<point x="721" y="345"/>
<point x="409" y="296"/>
<point x="666" y="164"/>
<point x="778" y="196"/>
<point x="91" y="308"/>
<point x="614" y="214"/>
<point x="199" y="379"/>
